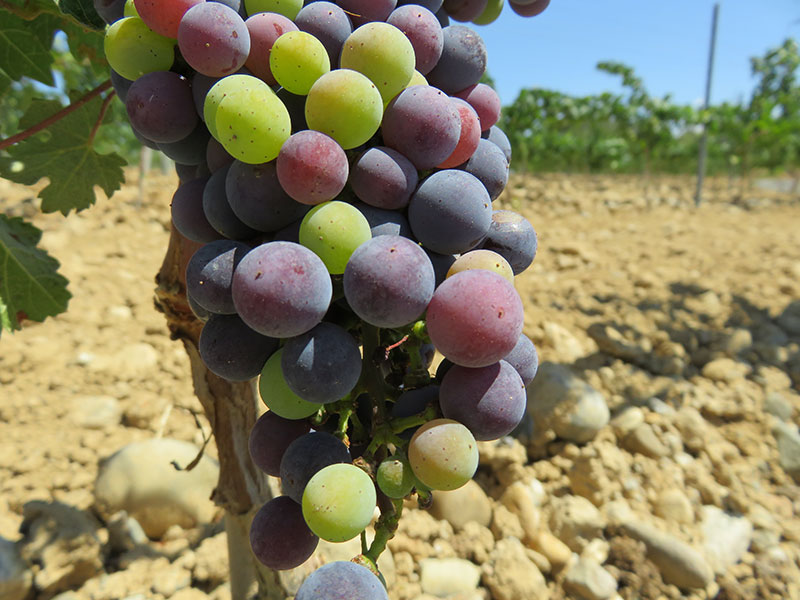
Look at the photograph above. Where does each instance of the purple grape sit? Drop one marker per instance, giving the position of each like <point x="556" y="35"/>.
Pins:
<point x="265" y="28"/>
<point x="463" y="60"/>
<point x="431" y="5"/>
<point x="385" y="222"/>
<point x="488" y="163"/>
<point x="423" y="30"/>
<point x="499" y="139"/>
<point x="281" y="289"/>
<point x="185" y="173"/>
<point x="160" y="106"/>
<point x="305" y="456"/>
<point x="217" y="157"/>
<point x="188" y="215"/>
<point x="213" y="39"/>
<point x="464" y="10"/>
<point x="200" y="86"/>
<point x="256" y="197"/>
<point x="218" y="211"/>
<point x="233" y="351"/>
<point x="342" y="580"/>
<point x="279" y="536"/>
<point x="524" y="359"/>
<point x="441" y="264"/>
<point x="364" y="11"/>
<point x="209" y="274"/>
<point x="121" y="85"/>
<point x="485" y="101"/>
<point x="529" y="8"/>
<point x="110" y="10"/>
<point x="450" y="212"/>
<point x="423" y="125"/>
<point x="190" y="150"/>
<point x="270" y="437"/>
<point x="443" y="17"/>
<point x="198" y="311"/>
<point x="490" y="401"/>
<point x="296" y="106"/>
<point x="412" y="402"/>
<point x="383" y="178"/>
<point x="322" y="365"/>
<point x="388" y="281"/>
<point x="513" y="237"/>
<point x="328" y="23"/>
<point x="312" y="167"/>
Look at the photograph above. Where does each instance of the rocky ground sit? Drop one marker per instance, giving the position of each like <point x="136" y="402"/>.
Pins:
<point x="660" y="457"/>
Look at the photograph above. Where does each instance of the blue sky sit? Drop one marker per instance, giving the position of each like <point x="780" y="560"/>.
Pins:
<point x="665" y="41"/>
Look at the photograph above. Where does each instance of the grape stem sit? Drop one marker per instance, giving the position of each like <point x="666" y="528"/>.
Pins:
<point x="400" y="424"/>
<point x="54" y="118"/>
<point x="370" y="337"/>
<point x="386" y="526"/>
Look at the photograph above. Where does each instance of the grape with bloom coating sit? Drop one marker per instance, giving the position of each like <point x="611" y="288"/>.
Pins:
<point x="443" y="454"/>
<point x="312" y="168"/>
<point x="474" y="318"/>
<point x="333" y="230"/>
<point x="338" y="502"/>
<point x="346" y="105"/>
<point x="342" y="580"/>
<point x="213" y="39"/>
<point x="269" y="439"/>
<point x="276" y="393"/>
<point x="279" y="536"/>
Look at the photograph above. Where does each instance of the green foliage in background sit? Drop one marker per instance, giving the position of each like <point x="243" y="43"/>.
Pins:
<point x="634" y="132"/>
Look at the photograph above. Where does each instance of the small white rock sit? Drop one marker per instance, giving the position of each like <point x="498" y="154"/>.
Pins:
<point x="447" y="576"/>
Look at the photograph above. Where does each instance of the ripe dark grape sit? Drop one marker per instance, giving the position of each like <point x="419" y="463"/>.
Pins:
<point x="464" y="10"/>
<point x="475" y="318"/>
<point x="311" y="167"/>
<point x="485" y="101"/>
<point x="388" y="281"/>
<point x="110" y="11"/>
<point x="265" y="28"/>
<point x="490" y="401"/>
<point x="524" y="358"/>
<point x="423" y="125"/>
<point x="463" y="60"/>
<point x="188" y="215"/>
<point x="281" y="289"/>
<point x="209" y="274"/>
<point x="218" y="211"/>
<point x="230" y="349"/>
<point x="160" y="106"/>
<point x="384" y="222"/>
<point x="529" y="8"/>
<point x="121" y="85"/>
<point x="307" y="455"/>
<point x="322" y="365"/>
<point x="270" y="437"/>
<point x="450" y="212"/>
<point x="342" y="581"/>
<point x="383" y="178"/>
<point x="423" y="30"/>
<point x="499" y="139"/>
<point x="257" y="198"/>
<point x="489" y="165"/>
<point x="213" y="39"/>
<point x="468" y="139"/>
<point x="190" y="150"/>
<point x="431" y="5"/>
<point x="513" y="237"/>
<point x="328" y="23"/>
<point x="279" y="535"/>
<point x="216" y="156"/>
<point x="364" y="11"/>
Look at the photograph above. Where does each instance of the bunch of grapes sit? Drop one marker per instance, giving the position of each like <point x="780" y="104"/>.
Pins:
<point x="338" y="164"/>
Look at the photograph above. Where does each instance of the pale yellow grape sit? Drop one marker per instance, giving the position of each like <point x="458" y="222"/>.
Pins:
<point x="443" y="454"/>
<point x="252" y="124"/>
<point x="133" y="49"/>
<point x="482" y="259"/>
<point x="338" y="502"/>
<point x="333" y="230"/>
<point x="287" y="8"/>
<point x="417" y="78"/>
<point x="130" y="9"/>
<point x="383" y="53"/>
<point x="490" y="13"/>
<point x="345" y="105"/>
<point x="297" y="60"/>
<point x="277" y="395"/>
<point x="221" y="89"/>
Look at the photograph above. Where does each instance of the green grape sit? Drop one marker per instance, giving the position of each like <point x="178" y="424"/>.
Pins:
<point x="297" y="60"/>
<point x="223" y="87"/>
<point x="490" y="13"/>
<point x="333" y="230"/>
<point x="133" y="49"/>
<point x="252" y="123"/>
<point x="482" y="259"/>
<point x="276" y="393"/>
<point x="443" y="454"/>
<point x="345" y="105"/>
<point x="395" y="477"/>
<point x="287" y="8"/>
<point x="338" y="502"/>
<point x="130" y="9"/>
<point x="417" y="78"/>
<point x="383" y="53"/>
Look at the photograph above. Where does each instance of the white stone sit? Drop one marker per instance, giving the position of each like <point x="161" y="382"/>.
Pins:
<point x="95" y="412"/>
<point x="141" y="480"/>
<point x="586" y="579"/>
<point x="726" y="538"/>
<point x="447" y="576"/>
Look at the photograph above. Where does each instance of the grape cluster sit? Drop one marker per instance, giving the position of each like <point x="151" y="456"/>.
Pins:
<point x="338" y="164"/>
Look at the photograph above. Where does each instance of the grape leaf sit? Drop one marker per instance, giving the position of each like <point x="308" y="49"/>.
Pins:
<point x="83" y="11"/>
<point x="29" y="281"/>
<point x="25" y="48"/>
<point x="63" y="153"/>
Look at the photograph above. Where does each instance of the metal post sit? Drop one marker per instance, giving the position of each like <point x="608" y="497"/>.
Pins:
<point x="701" y="161"/>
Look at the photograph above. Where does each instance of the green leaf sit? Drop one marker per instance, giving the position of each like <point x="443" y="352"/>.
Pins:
<point x="29" y="282"/>
<point x="25" y="48"/>
<point x="63" y="153"/>
<point x="83" y="11"/>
